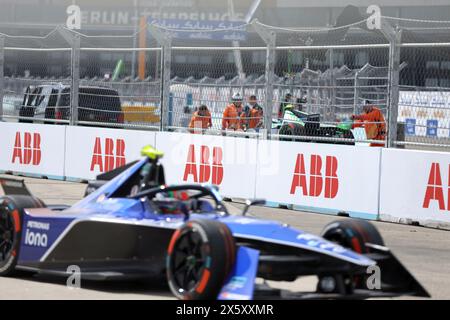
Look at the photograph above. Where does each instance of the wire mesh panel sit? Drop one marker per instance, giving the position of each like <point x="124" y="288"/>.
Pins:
<point x="424" y="97"/>
<point x="120" y="85"/>
<point x="326" y="76"/>
<point x="34" y="69"/>
<point x="335" y="85"/>
<point x="207" y="74"/>
<point x="114" y="92"/>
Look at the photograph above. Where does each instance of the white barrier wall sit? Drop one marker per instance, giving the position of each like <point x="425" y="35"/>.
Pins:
<point x="321" y="177"/>
<point x="415" y="186"/>
<point x="224" y="161"/>
<point x="389" y="184"/>
<point x="32" y="149"/>
<point x="92" y="151"/>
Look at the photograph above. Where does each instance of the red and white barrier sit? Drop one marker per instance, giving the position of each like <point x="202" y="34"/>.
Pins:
<point x="322" y="177"/>
<point x="415" y="187"/>
<point x="389" y="184"/>
<point x="32" y="149"/>
<point x="227" y="162"/>
<point x="92" y="151"/>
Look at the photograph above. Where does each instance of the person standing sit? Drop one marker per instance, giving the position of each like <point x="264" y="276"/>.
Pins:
<point x="201" y="120"/>
<point x="286" y="102"/>
<point x="374" y="123"/>
<point x="232" y="115"/>
<point x="254" y="115"/>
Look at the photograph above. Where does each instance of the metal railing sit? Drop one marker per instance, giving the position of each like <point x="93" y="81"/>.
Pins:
<point x="78" y="79"/>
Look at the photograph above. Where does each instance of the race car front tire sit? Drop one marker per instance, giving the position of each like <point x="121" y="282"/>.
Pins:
<point x="201" y="256"/>
<point x="353" y="234"/>
<point x="11" y="218"/>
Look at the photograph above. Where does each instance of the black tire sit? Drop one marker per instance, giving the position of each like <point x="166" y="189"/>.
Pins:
<point x="200" y="257"/>
<point x="294" y="130"/>
<point x="286" y="130"/>
<point x="353" y="234"/>
<point x="300" y="131"/>
<point x="11" y="217"/>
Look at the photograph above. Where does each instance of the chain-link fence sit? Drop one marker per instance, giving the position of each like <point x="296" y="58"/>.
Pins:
<point x="208" y="76"/>
<point x="32" y="66"/>
<point x="347" y="85"/>
<point x="424" y="86"/>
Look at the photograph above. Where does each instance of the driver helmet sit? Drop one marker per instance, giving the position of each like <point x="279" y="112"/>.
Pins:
<point x="289" y="107"/>
<point x="237" y="97"/>
<point x="303" y="100"/>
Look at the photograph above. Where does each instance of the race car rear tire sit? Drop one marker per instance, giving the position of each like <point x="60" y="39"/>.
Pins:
<point x="201" y="256"/>
<point x="286" y="130"/>
<point x="353" y="234"/>
<point x="11" y="218"/>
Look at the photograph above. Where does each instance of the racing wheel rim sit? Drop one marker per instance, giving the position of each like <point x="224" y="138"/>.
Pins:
<point x="7" y="233"/>
<point x="189" y="258"/>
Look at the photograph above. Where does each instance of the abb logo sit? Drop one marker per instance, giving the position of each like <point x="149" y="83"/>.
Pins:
<point x="316" y="181"/>
<point x="27" y="150"/>
<point x="207" y="171"/>
<point x="112" y="158"/>
<point x="435" y="191"/>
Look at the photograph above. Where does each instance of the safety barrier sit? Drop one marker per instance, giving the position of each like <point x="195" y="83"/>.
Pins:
<point x="415" y="187"/>
<point x="92" y="151"/>
<point x="320" y="177"/>
<point x="224" y="161"/>
<point x="372" y="183"/>
<point x="33" y="149"/>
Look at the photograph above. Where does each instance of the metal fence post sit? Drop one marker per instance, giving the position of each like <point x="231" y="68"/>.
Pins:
<point x="165" y="41"/>
<point x="394" y="88"/>
<point x="394" y="37"/>
<point x="333" y="87"/>
<point x="74" y="92"/>
<point x="356" y="93"/>
<point x="74" y="41"/>
<point x="165" y="90"/>
<point x="2" y="74"/>
<point x="269" y="37"/>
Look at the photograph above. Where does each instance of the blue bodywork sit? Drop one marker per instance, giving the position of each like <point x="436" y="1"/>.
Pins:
<point x="43" y="229"/>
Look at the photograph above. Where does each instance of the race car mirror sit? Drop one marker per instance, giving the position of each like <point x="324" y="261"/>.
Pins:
<point x="254" y="202"/>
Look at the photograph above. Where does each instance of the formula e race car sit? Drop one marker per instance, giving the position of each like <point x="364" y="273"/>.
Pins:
<point x="136" y="227"/>
<point x="295" y="124"/>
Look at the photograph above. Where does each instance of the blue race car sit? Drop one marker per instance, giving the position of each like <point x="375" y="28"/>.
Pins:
<point x="136" y="227"/>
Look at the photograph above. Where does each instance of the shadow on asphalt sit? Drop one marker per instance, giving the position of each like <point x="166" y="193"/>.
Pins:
<point x="136" y="287"/>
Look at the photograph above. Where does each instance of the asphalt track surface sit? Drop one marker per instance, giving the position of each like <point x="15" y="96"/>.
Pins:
<point x="425" y="252"/>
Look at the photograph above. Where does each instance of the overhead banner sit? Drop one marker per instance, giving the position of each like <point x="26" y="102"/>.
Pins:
<point x="200" y="159"/>
<point x="323" y="177"/>
<point x="203" y="29"/>
<point x="415" y="187"/>
<point x="93" y="151"/>
<point x="32" y="149"/>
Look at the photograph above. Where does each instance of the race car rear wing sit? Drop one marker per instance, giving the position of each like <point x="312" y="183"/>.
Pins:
<point x="14" y="187"/>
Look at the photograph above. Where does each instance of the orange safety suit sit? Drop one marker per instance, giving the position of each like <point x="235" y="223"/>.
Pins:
<point x="201" y="121"/>
<point x="231" y="119"/>
<point x="254" y="121"/>
<point x="375" y="125"/>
